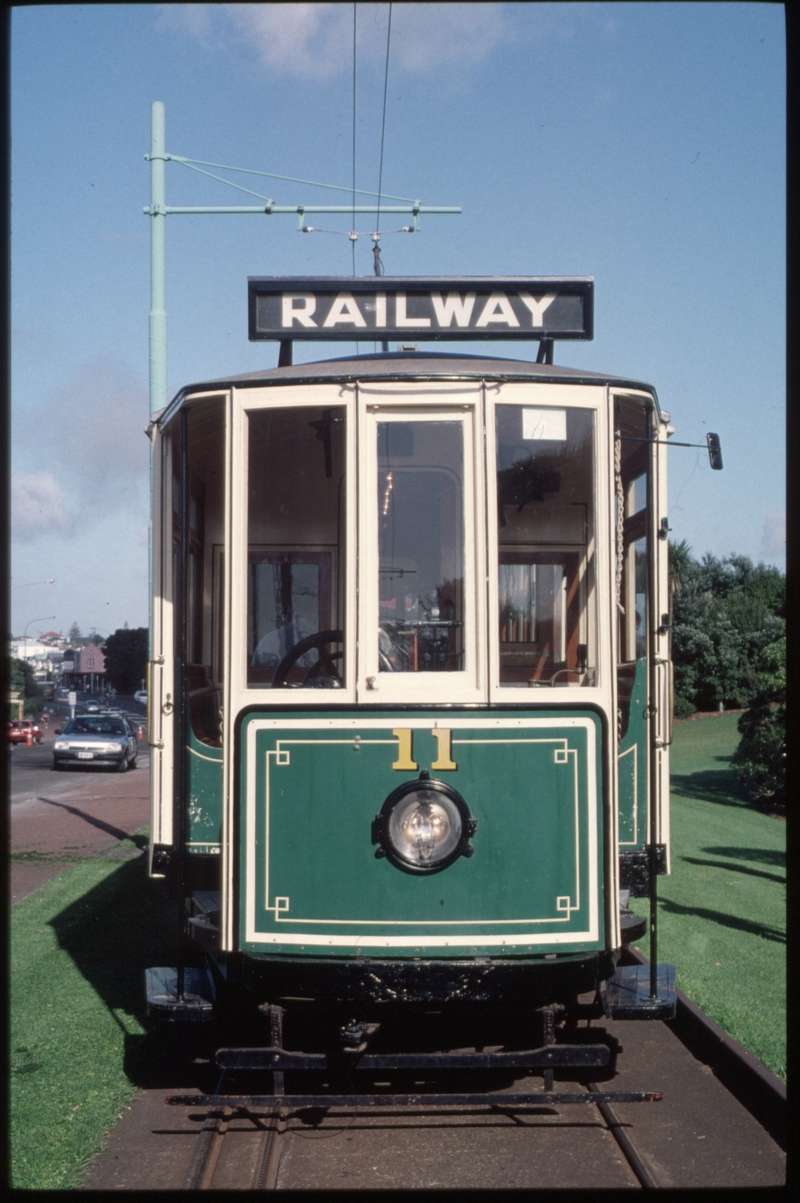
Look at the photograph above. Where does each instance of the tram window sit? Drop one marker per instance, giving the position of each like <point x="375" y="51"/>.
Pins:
<point x="640" y="598"/>
<point x="421" y="546"/>
<point x="288" y="599"/>
<point x="197" y="539"/>
<point x="545" y="497"/>
<point x="295" y="546"/>
<point x="630" y="422"/>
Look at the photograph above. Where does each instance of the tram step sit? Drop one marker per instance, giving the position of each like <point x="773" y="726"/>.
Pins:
<point x="197" y="1003"/>
<point x="628" y="993"/>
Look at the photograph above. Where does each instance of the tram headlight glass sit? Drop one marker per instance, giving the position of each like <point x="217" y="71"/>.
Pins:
<point x="424" y="826"/>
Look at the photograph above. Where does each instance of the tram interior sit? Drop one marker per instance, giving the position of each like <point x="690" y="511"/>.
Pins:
<point x="202" y="604"/>
<point x="420" y="546"/>
<point x="545" y="490"/>
<point x="296" y="546"/>
<point x="630" y="423"/>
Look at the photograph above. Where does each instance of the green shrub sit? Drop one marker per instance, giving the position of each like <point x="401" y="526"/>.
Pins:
<point x="683" y="707"/>
<point x="761" y="754"/>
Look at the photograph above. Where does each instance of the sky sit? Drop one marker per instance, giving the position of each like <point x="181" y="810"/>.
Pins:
<point x="641" y="144"/>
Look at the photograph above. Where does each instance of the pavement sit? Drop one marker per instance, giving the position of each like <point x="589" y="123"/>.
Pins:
<point x="58" y="827"/>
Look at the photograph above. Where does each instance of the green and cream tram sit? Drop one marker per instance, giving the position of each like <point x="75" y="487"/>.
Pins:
<point x="410" y="690"/>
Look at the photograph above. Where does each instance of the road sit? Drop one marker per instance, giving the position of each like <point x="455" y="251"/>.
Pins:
<point x="32" y="768"/>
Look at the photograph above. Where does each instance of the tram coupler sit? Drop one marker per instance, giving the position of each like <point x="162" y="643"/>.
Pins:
<point x="355" y="1036"/>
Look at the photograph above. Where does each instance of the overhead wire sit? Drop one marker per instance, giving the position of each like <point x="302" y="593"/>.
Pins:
<point x="272" y="175"/>
<point x="352" y="239"/>
<point x="379" y="266"/>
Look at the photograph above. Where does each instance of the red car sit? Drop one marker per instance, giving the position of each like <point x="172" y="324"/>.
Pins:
<point x="19" y="729"/>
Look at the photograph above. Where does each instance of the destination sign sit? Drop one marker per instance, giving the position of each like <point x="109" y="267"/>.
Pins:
<point x="430" y="307"/>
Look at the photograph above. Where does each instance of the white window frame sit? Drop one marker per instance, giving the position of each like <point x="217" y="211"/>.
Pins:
<point x="246" y="401"/>
<point x="554" y="396"/>
<point x="420" y="402"/>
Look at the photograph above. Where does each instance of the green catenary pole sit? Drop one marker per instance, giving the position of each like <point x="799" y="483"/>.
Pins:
<point x="158" y="217"/>
<point x="158" y="211"/>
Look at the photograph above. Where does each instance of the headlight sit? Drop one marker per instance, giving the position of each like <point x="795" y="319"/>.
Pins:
<point x="61" y="745"/>
<point x="111" y="748"/>
<point x="424" y="826"/>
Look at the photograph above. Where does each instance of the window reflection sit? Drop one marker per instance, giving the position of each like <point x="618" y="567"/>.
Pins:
<point x="295" y="572"/>
<point x="545" y="497"/>
<point x="421" y="546"/>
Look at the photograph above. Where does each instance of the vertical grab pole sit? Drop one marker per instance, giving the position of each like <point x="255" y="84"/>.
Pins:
<point x="158" y="217"/>
<point x="652" y="703"/>
<point x="180" y="717"/>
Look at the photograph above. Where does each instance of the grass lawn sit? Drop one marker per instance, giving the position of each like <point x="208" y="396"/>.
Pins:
<point x="722" y="911"/>
<point x="79" y="946"/>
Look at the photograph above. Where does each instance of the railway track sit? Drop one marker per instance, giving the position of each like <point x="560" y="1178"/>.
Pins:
<point x="255" y="1163"/>
<point x="695" y="1132"/>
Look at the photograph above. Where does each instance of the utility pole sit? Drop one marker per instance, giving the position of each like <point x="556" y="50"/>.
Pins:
<point x="158" y="210"/>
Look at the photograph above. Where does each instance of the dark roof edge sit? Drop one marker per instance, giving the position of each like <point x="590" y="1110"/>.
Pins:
<point x="416" y="366"/>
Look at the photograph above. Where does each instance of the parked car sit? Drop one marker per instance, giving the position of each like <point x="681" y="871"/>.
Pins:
<point x="18" y="730"/>
<point x="141" y="697"/>
<point x="105" y="739"/>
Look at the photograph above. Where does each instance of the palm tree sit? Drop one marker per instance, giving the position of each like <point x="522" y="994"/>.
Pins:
<point x="680" y="557"/>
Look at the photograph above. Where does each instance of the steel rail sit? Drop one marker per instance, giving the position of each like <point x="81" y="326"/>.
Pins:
<point x="632" y="1155"/>
<point x="200" y="1172"/>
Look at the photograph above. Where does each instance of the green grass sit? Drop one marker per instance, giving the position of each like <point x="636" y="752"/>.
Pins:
<point x="79" y="1038"/>
<point x="79" y="946"/>
<point x="721" y="914"/>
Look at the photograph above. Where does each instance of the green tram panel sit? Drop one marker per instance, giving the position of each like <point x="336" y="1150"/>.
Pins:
<point x="312" y="785"/>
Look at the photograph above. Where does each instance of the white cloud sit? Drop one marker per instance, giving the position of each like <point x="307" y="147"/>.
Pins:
<point x="93" y="428"/>
<point x="773" y="537"/>
<point x="429" y="36"/>
<point x="86" y="445"/>
<point x="38" y="506"/>
<point x="194" y="19"/>
<point x="314" y="41"/>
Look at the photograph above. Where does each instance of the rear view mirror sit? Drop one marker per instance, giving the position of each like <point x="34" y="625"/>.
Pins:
<point x="714" y="451"/>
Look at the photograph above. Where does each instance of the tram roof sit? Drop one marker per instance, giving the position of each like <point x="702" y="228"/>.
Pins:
<point x="412" y="365"/>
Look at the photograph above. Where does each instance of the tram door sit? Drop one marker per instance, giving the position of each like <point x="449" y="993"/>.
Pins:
<point x="185" y="699"/>
<point x="644" y="670"/>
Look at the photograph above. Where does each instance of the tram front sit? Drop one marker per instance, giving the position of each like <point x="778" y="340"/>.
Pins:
<point x="410" y="628"/>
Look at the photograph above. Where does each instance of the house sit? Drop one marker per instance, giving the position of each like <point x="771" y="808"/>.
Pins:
<point x="87" y="671"/>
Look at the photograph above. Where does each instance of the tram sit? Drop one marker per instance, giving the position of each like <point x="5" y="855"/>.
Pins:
<point x="410" y="689"/>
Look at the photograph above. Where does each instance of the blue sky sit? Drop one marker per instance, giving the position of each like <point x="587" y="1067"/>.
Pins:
<point x="642" y="144"/>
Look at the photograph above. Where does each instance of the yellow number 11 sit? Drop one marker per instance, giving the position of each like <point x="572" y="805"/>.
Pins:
<point x="405" y="749"/>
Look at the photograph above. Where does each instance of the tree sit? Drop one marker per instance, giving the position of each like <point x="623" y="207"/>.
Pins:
<point x="761" y="754"/>
<point x="126" y="658"/>
<point x="74" y="632"/>
<point x="21" y="680"/>
<point x="680" y="557"/>
<point x="725" y="613"/>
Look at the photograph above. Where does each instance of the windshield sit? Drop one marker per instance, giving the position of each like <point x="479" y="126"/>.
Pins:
<point x="95" y="725"/>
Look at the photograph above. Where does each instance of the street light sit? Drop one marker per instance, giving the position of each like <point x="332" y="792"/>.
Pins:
<point x="27" y="585"/>
<point x="44" y="618"/>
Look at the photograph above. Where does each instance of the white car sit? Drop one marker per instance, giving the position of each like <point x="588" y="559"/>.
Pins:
<point x="141" y="697"/>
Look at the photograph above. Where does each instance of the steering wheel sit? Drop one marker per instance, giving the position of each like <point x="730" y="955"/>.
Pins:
<point x="324" y="674"/>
